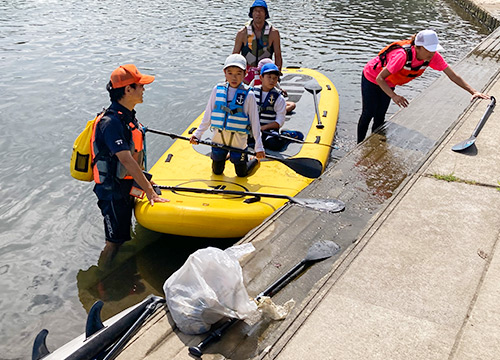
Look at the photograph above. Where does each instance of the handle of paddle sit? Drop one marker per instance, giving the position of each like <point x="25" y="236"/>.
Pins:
<point x="485" y="117"/>
<point x="213" y="337"/>
<point x="275" y="286"/>
<point x="316" y="109"/>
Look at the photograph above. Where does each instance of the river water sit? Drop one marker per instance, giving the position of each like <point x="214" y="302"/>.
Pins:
<point x="56" y="58"/>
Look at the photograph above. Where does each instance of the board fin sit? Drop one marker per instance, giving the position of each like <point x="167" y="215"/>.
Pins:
<point x="94" y="322"/>
<point x="39" y="346"/>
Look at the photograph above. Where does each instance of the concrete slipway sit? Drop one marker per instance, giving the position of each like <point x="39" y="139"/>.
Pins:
<point x="418" y="275"/>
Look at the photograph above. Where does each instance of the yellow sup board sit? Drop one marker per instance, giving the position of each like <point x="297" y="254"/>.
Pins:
<point x="228" y="216"/>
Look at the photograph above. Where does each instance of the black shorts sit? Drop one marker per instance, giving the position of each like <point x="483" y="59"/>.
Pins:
<point x="236" y="157"/>
<point x="117" y="218"/>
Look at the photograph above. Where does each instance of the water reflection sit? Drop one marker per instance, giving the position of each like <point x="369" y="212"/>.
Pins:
<point x="389" y="156"/>
<point x="381" y="167"/>
<point x="140" y="268"/>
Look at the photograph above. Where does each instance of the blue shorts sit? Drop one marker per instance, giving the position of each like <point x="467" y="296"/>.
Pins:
<point x="236" y="157"/>
<point x="117" y="218"/>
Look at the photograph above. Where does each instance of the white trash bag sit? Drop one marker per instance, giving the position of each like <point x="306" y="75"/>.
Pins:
<point x="208" y="287"/>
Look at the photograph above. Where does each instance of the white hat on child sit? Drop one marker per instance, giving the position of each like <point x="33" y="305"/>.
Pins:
<point x="237" y="60"/>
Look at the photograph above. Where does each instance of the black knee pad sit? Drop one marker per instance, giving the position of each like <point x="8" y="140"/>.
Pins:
<point x="218" y="167"/>
<point x="241" y="169"/>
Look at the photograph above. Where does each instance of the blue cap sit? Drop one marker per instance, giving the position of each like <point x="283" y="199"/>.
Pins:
<point x="270" y="68"/>
<point x="259" y="3"/>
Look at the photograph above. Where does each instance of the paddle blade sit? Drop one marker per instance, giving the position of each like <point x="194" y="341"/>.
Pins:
<point x="330" y="205"/>
<point x="310" y="168"/>
<point x="464" y="144"/>
<point x="322" y="250"/>
<point x="312" y="86"/>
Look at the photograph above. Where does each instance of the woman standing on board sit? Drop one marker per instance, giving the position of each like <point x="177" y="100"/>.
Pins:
<point x="397" y="64"/>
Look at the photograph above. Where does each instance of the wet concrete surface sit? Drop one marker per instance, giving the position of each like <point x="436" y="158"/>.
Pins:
<point x="367" y="180"/>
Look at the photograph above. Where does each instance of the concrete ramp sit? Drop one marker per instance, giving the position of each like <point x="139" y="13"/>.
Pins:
<point x="368" y="179"/>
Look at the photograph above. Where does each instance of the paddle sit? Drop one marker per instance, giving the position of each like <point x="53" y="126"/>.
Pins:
<point x="467" y="143"/>
<point x="150" y="308"/>
<point x="332" y="205"/>
<point x="320" y="250"/>
<point x="310" y="168"/>
<point x="275" y="133"/>
<point x="313" y="87"/>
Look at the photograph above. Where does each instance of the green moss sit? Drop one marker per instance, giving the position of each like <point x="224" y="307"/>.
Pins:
<point x="449" y="177"/>
<point x="452" y="178"/>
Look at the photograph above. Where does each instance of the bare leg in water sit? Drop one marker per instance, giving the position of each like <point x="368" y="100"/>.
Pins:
<point x="108" y="253"/>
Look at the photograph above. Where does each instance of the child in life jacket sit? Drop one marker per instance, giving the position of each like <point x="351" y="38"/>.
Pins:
<point x="290" y="105"/>
<point x="232" y="114"/>
<point x="272" y="106"/>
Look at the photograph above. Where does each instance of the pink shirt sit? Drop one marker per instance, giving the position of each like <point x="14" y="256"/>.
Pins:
<point x="396" y="59"/>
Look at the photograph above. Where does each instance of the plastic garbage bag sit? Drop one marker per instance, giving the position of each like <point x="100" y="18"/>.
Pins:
<point x="208" y="287"/>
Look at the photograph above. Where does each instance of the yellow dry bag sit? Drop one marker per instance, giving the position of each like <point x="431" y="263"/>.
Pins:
<point x="81" y="157"/>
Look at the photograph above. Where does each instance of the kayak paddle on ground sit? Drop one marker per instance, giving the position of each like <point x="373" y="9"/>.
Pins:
<point x="314" y="88"/>
<point x="467" y="143"/>
<point x="330" y="205"/>
<point x="320" y="250"/>
<point x="308" y="167"/>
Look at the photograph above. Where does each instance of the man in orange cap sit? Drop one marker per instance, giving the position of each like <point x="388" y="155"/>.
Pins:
<point x="118" y="157"/>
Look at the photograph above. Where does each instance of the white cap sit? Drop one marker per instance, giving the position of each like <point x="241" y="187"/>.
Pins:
<point x="429" y="40"/>
<point x="237" y="60"/>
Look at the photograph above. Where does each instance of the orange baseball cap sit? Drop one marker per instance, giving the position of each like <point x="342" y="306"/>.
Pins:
<point x="128" y="74"/>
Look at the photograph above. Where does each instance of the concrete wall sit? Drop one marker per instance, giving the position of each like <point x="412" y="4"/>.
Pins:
<point x="487" y="12"/>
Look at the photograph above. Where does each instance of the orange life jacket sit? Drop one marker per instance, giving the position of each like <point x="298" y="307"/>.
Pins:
<point x="100" y="163"/>
<point x="407" y="73"/>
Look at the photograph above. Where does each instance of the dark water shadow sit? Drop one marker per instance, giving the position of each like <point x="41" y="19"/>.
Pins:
<point x="140" y="268"/>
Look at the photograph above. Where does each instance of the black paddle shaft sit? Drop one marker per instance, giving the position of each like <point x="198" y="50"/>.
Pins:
<point x="318" y="251"/>
<point x="314" y="88"/>
<point x="307" y="167"/>
<point x="485" y="117"/>
<point x="224" y="192"/>
<point x="289" y="276"/>
<point x="330" y="205"/>
<point x="463" y="145"/>
<point x="275" y="133"/>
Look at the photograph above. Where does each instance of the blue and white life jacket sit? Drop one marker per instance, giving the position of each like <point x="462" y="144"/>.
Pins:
<point x="266" y="106"/>
<point x="230" y="117"/>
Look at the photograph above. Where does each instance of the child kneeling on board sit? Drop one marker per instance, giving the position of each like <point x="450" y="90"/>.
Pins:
<point x="232" y="113"/>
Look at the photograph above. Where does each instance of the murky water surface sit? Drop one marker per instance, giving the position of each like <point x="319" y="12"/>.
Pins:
<point x="56" y="59"/>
